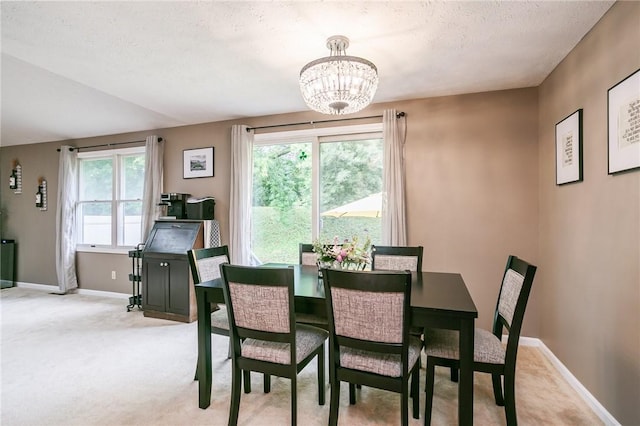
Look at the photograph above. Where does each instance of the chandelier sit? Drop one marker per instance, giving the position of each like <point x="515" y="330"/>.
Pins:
<point x="338" y="84"/>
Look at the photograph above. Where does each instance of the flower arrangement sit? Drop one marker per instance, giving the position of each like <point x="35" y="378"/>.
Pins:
<point x="345" y="255"/>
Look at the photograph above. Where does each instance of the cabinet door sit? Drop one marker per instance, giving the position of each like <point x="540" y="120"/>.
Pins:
<point x="178" y="289"/>
<point x="155" y="282"/>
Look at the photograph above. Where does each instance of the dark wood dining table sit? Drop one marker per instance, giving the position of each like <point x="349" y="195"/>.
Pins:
<point x="438" y="300"/>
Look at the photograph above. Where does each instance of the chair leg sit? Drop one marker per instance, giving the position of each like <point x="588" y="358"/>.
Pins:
<point x="321" y="389"/>
<point x="335" y="400"/>
<point x="352" y="394"/>
<point x="195" y="375"/>
<point x="247" y="381"/>
<point x="497" y="389"/>
<point x="428" y="388"/>
<point x="235" y="395"/>
<point x="267" y="383"/>
<point x="454" y="374"/>
<point x="415" y="391"/>
<point x="404" y="408"/>
<point x="294" y="400"/>
<point x="510" y="399"/>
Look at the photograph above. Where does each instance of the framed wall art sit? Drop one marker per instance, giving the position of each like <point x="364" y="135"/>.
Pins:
<point x="569" y="149"/>
<point x="198" y="163"/>
<point x="623" y="124"/>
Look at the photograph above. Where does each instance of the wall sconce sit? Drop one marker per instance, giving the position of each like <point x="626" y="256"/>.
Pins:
<point x="41" y="195"/>
<point x="15" y="180"/>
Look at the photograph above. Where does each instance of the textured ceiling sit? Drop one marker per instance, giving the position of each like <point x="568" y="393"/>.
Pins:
<point x="80" y="69"/>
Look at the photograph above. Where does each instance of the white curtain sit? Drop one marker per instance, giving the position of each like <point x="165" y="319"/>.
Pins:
<point x="66" y="219"/>
<point x="240" y="196"/>
<point x="153" y="177"/>
<point x="394" y="229"/>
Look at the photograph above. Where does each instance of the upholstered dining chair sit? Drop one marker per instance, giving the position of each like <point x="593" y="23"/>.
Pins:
<point x="205" y="266"/>
<point x="264" y="334"/>
<point x="490" y="356"/>
<point x="369" y="340"/>
<point x="396" y="258"/>
<point x="306" y="255"/>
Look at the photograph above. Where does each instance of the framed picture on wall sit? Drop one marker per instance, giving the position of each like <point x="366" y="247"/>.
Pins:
<point x="623" y="124"/>
<point x="569" y="149"/>
<point x="198" y="163"/>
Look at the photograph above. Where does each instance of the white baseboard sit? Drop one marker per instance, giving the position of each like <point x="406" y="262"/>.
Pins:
<point x="54" y="289"/>
<point x="591" y="401"/>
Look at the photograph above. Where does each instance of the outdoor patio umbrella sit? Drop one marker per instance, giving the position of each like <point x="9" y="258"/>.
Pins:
<point x="370" y="206"/>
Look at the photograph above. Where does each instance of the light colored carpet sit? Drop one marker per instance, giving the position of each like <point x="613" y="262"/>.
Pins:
<point x="84" y="360"/>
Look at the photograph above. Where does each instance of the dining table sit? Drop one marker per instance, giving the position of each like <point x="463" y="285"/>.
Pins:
<point x="438" y="300"/>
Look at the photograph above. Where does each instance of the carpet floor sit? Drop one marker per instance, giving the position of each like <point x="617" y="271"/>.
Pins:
<point x="84" y="360"/>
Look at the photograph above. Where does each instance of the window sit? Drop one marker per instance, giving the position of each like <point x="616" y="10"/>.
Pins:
<point x="110" y="197"/>
<point x="315" y="184"/>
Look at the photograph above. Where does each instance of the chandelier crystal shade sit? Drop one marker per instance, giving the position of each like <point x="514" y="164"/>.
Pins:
<point x="338" y="84"/>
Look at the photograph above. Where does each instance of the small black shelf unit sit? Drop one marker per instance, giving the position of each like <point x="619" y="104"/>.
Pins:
<point x="136" y="278"/>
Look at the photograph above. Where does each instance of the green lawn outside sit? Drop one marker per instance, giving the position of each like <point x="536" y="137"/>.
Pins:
<point x="277" y="233"/>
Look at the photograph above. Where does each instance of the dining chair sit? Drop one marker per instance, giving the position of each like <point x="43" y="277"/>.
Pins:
<point x="396" y="258"/>
<point x="369" y="340"/>
<point x="306" y="254"/>
<point x="205" y="266"/>
<point x="264" y="334"/>
<point x="489" y="355"/>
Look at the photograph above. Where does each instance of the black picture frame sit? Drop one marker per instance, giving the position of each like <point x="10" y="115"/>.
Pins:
<point x="198" y="163"/>
<point x="623" y="125"/>
<point x="569" y="149"/>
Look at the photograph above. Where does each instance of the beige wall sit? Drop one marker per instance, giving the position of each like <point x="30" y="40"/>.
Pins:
<point x="589" y="276"/>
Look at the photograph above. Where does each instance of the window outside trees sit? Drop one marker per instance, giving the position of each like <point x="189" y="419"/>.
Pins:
<point x="110" y="197"/>
<point x="300" y="187"/>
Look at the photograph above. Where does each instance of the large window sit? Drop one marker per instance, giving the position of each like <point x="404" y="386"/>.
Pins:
<point x="110" y="197"/>
<point x="315" y="186"/>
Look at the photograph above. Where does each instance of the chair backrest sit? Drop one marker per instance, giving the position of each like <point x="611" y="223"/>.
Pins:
<point x="512" y="302"/>
<point x="309" y="257"/>
<point x="260" y="304"/>
<point x="369" y="310"/>
<point x="396" y="258"/>
<point x="205" y="263"/>
<point x="306" y="254"/>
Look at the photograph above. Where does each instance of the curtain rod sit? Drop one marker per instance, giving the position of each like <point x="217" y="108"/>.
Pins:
<point x="105" y="144"/>
<point x="398" y="115"/>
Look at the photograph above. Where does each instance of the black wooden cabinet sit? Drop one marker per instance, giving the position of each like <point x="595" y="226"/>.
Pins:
<point x="167" y="286"/>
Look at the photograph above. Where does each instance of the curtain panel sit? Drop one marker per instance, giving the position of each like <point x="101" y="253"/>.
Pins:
<point x="394" y="230"/>
<point x="66" y="219"/>
<point x="153" y="182"/>
<point x="240" y="195"/>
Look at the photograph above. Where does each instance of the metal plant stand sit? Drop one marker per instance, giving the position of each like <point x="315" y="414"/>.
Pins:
<point x="136" y="278"/>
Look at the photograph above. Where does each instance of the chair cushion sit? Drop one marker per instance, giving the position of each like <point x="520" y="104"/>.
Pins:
<point x="509" y="294"/>
<point x="368" y="315"/>
<point x="392" y="262"/>
<point x="258" y="307"/>
<point x="309" y="258"/>
<point x="219" y="318"/>
<point x="308" y="339"/>
<point x="444" y="344"/>
<point x="209" y="267"/>
<point x="379" y="363"/>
